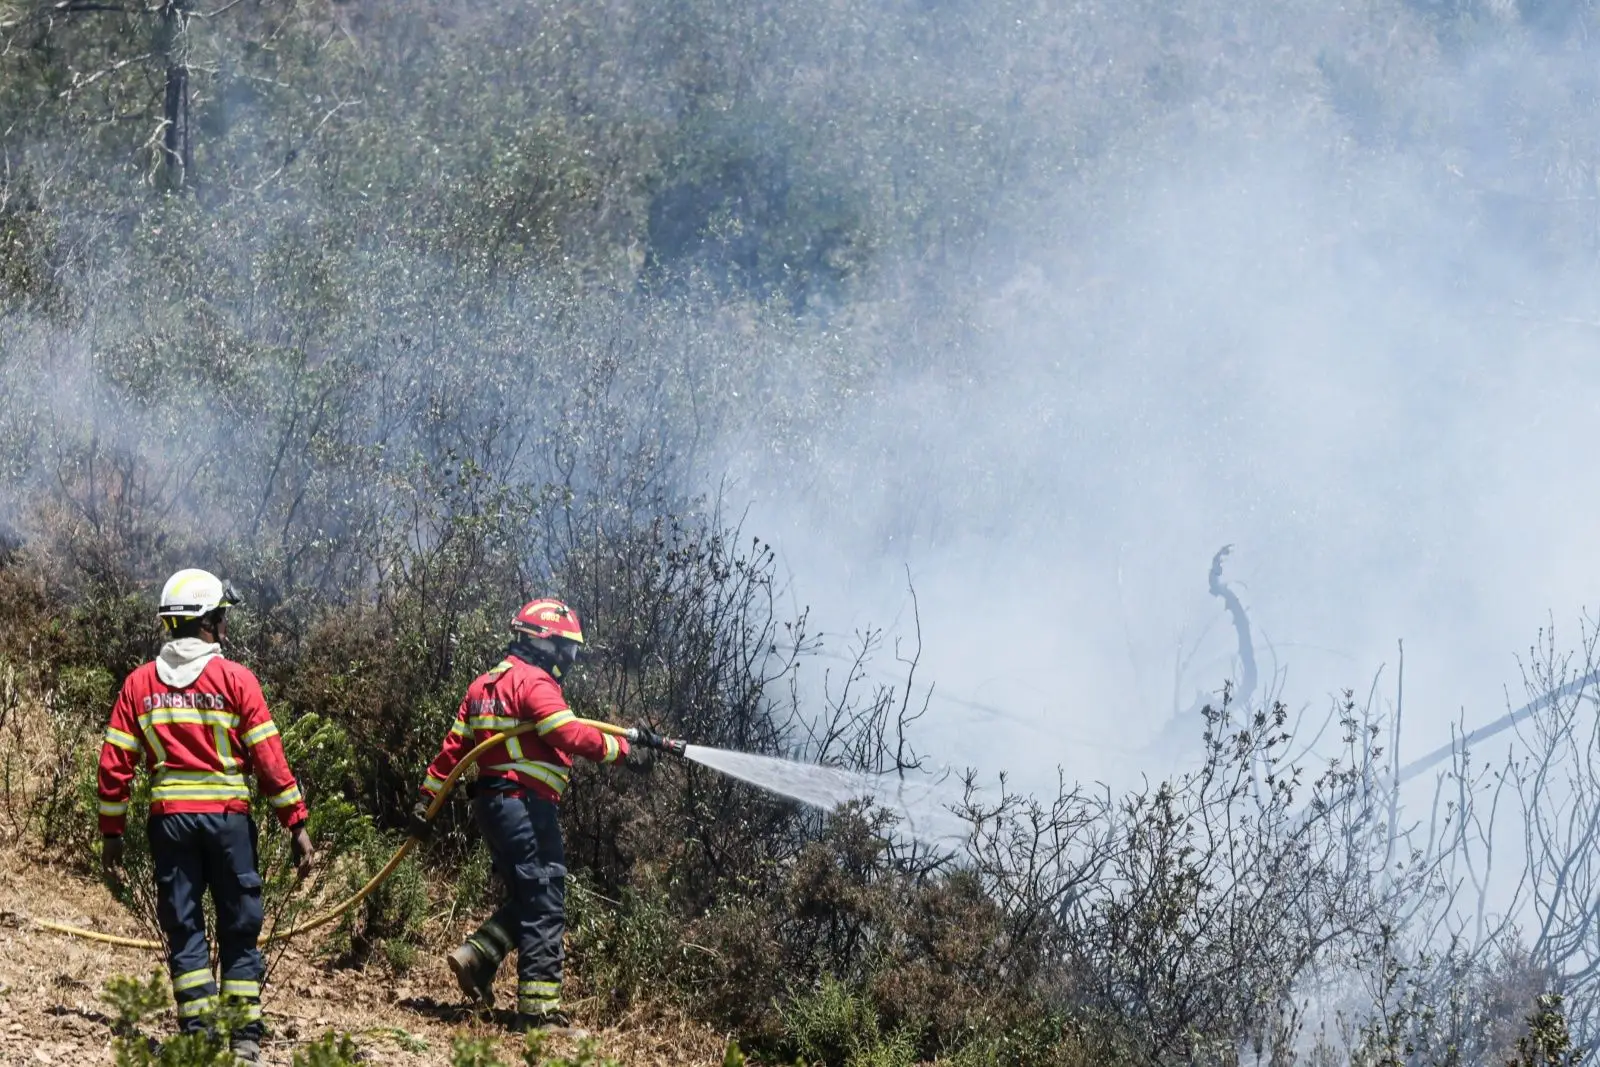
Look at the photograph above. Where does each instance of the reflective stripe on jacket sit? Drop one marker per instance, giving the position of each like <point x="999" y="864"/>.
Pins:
<point x="198" y="743"/>
<point x="511" y="694"/>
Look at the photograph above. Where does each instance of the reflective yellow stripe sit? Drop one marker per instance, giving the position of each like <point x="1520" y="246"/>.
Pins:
<point x="261" y="733"/>
<point x="493" y="723"/>
<point x="238" y="987"/>
<point x="153" y="740"/>
<point x="109" y="808"/>
<point x="432" y="784"/>
<point x="286" y="798"/>
<point x="122" y="740"/>
<point x="199" y="793"/>
<point x="613" y="750"/>
<point x="188" y="1009"/>
<point x="530" y="1004"/>
<point x="556" y="721"/>
<point x="251" y="1011"/>
<point x="552" y="776"/>
<point x="194" y="792"/>
<point x="219" y="737"/>
<point x="188" y="980"/>
<point x="199" y="785"/>
<point x="187" y="717"/>
<point x="460" y="729"/>
<point x="496" y="933"/>
<point x="534" y="998"/>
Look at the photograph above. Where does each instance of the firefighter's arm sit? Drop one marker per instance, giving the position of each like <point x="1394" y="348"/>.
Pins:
<point x="562" y="729"/>
<point x="265" y="752"/>
<point x="456" y="744"/>
<point x="119" y="761"/>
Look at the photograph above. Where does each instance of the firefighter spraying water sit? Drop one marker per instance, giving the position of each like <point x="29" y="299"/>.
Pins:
<point x="521" y="781"/>
<point x="514" y="800"/>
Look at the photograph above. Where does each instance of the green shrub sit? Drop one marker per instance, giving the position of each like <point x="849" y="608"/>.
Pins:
<point x="1548" y="1042"/>
<point x="1049" y="1041"/>
<point x="391" y="918"/>
<point x="474" y="1052"/>
<point x="329" y="1050"/>
<point x="132" y="1001"/>
<point x="838" y="1027"/>
<point x="587" y="1054"/>
<point x="628" y="950"/>
<point x="481" y="1052"/>
<point x="474" y="883"/>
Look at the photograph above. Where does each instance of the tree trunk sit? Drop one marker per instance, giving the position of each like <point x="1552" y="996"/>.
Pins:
<point x="177" y="151"/>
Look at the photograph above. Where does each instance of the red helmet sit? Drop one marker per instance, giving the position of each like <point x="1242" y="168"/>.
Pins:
<point x="546" y="619"/>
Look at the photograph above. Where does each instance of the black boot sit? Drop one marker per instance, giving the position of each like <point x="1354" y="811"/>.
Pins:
<point x="474" y="973"/>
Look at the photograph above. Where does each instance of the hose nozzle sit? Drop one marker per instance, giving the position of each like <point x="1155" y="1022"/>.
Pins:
<point x="643" y="735"/>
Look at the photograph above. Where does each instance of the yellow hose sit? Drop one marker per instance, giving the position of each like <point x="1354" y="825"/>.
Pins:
<point x="365" y="891"/>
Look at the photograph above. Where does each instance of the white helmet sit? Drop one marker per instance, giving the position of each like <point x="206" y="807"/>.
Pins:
<point x="191" y="593"/>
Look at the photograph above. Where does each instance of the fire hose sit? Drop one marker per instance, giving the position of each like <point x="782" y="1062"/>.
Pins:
<point x="471" y="758"/>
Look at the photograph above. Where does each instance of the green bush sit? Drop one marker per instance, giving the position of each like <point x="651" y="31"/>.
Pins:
<point x="474" y="1052"/>
<point x="1548" y="1042"/>
<point x="587" y="1054"/>
<point x="329" y="1050"/>
<point x="474" y="883"/>
<point x="390" y="920"/>
<point x="834" y="1026"/>
<point x="628" y="950"/>
<point x="132" y="1001"/>
<point x="480" y="1052"/>
<point x="1050" y="1040"/>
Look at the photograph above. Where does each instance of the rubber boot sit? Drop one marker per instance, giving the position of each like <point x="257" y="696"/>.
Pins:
<point x="246" y="1050"/>
<point x="474" y="973"/>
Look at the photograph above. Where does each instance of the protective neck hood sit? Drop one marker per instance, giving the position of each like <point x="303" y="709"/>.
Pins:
<point x="534" y="656"/>
<point x="181" y="661"/>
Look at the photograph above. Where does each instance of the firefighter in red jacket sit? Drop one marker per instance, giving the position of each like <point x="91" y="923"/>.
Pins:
<point x="199" y="723"/>
<point x="519" y="784"/>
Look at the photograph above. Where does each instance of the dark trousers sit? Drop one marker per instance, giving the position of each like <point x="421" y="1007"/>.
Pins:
<point x="524" y="839"/>
<point x="191" y="854"/>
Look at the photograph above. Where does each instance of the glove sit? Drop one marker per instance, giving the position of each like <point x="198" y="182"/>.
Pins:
<point x="418" y="825"/>
<point x="640" y="758"/>
<point x="111" y="853"/>
<point x="305" y="854"/>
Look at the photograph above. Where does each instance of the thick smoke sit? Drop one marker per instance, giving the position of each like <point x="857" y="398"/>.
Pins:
<point x="1353" y="340"/>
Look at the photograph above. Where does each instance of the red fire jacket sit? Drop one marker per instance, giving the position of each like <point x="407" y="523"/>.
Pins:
<point x="539" y="761"/>
<point x="198" y="744"/>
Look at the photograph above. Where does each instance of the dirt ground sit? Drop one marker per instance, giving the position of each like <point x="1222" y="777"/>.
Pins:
<point x="51" y="1011"/>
